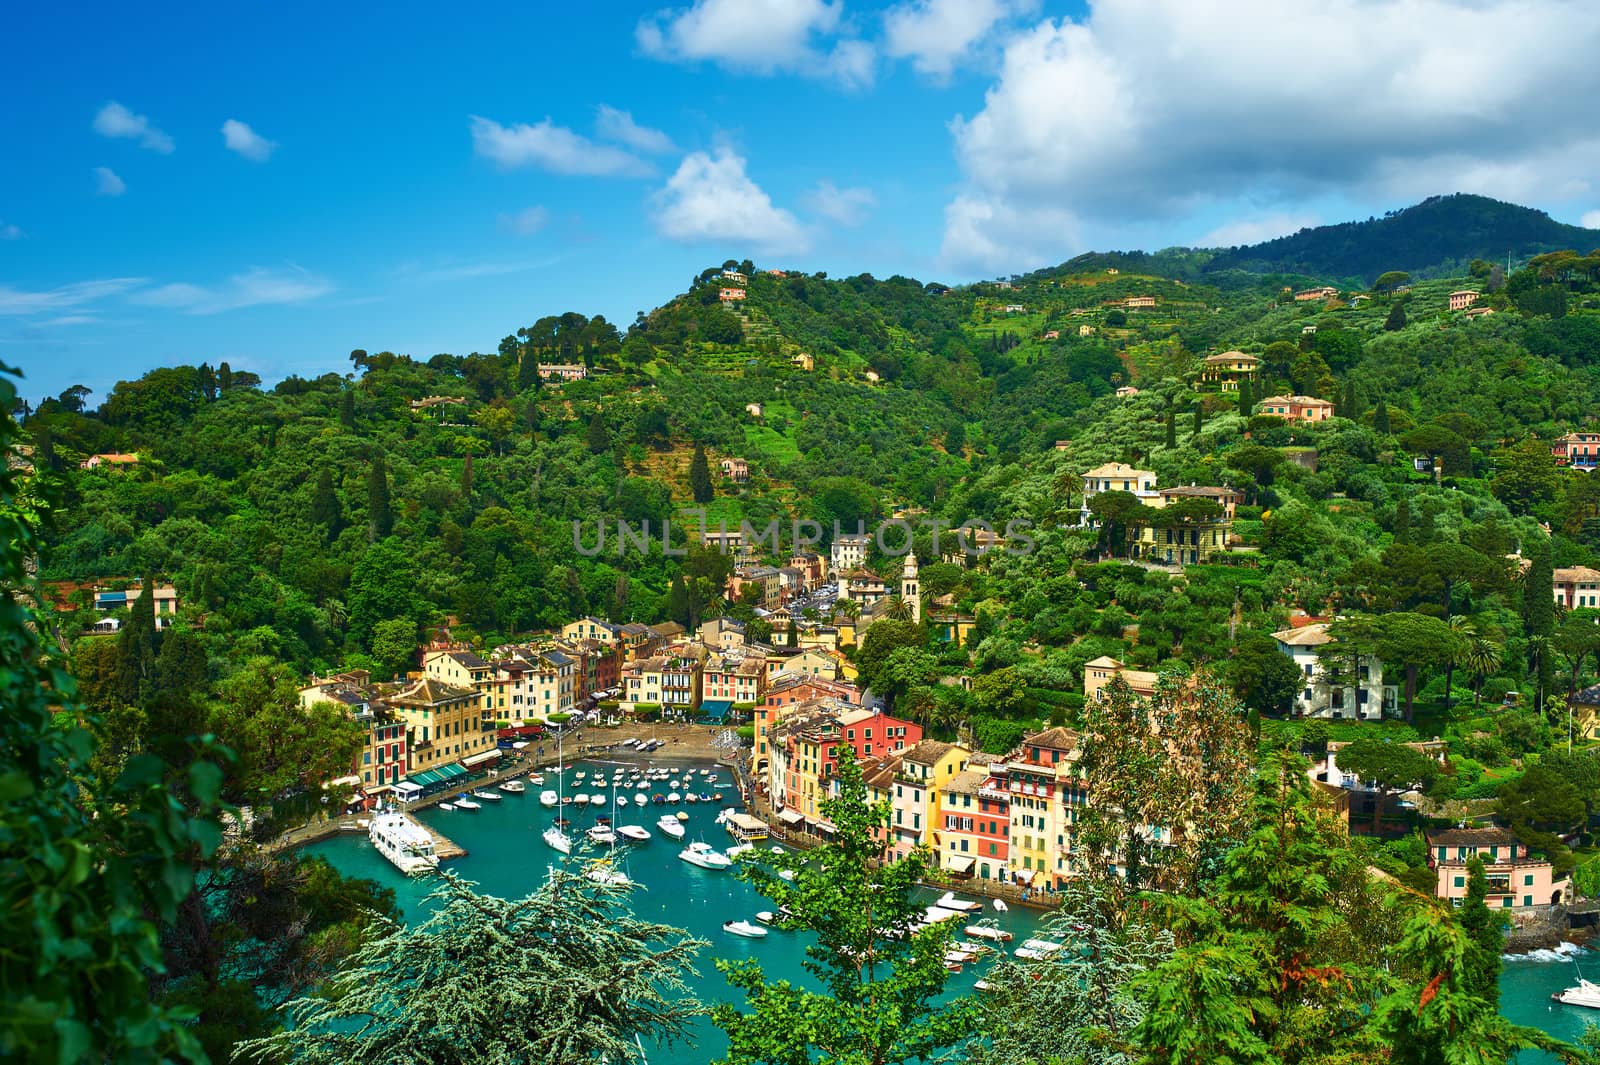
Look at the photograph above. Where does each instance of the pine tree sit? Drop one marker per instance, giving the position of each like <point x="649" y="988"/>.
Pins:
<point x="208" y="381"/>
<point x="224" y="377"/>
<point x="347" y="409"/>
<point x="599" y="440"/>
<point x="1380" y="418"/>
<point x="136" y="649"/>
<point x="882" y="1004"/>
<point x="566" y="976"/>
<point x="1538" y="607"/>
<point x="379" y="520"/>
<point x="1397" y="318"/>
<point x="325" y="504"/>
<point x="700" y="485"/>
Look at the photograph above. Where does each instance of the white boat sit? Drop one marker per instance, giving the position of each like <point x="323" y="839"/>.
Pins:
<point x="987" y="931"/>
<point x="513" y="787"/>
<point x="786" y="874"/>
<point x="744" y="928"/>
<point x="705" y="856"/>
<point x="742" y="848"/>
<point x="633" y="832"/>
<point x="1583" y="993"/>
<point x="641" y="799"/>
<point x="602" y="834"/>
<point x="558" y="839"/>
<point x="691" y="797"/>
<point x="602" y="872"/>
<point x="983" y="985"/>
<point x="447" y="806"/>
<point x="486" y="795"/>
<point x="1029" y="954"/>
<point x="406" y="844"/>
<point x="597" y="799"/>
<point x="1037" y="949"/>
<point x="537" y="780"/>
<point x="674" y="797"/>
<point x="681" y="816"/>
<point x="671" y="827"/>
<point x="960" y="957"/>
<point x="464" y="803"/>
<point x="949" y="901"/>
<point x="1000" y="904"/>
<point x="580" y="799"/>
<point x="548" y="798"/>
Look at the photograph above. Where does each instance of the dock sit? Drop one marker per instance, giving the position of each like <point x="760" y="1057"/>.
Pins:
<point x="444" y="847"/>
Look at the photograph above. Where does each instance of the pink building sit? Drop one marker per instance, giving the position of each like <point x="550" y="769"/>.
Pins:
<point x="1581" y="451"/>
<point x="1298" y="408"/>
<point x="728" y="295"/>
<point x="1461" y="299"/>
<point x="1516" y="881"/>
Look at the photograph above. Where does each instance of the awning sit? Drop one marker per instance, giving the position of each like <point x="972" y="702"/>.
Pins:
<point x="450" y="772"/>
<point x="715" y="709"/>
<point x="960" y="863"/>
<point x="426" y="778"/>
<point x="791" y="817"/>
<point x="407" y="789"/>
<point x="1022" y="876"/>
<point x="350" y="781"/>
<point x="481" y="757"/>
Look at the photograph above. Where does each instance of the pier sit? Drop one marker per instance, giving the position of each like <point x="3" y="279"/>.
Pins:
<point x="443" y="847"/>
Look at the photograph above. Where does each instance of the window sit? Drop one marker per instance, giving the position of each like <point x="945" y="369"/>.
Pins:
<point x="1527" y="881"/>
<point x="1461" y="881"/>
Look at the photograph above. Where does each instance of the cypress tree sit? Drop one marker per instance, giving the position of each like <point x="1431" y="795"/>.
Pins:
<point x="1244" y="398"/>
<point x="1397" y="318"/>
<point x="1486" y="929"/>
<point x="224" y="376"/>
<point x="700" y="476"/>
<point x="1199" y="416"/>
<point x="347" y="409"/>
<point x="678" y="600"/>
<point x="379" y="520"/>
<point x="955" y="439"/>
<point x="528" y="372"/>
<point x="599" y="439"/>
<point x="1380" y="418"/>
<point x="136" y="649"/>
<point x="1538" y="606"/>
<point x="1172" y="429"/>
<point x="1402" y="521"/>
<point x="325" y="504"/>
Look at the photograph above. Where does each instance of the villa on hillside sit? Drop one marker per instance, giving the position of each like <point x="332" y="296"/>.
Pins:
<point x="1192" y="541"/>
<point x="1325" y="292"/>
<point x="111" y="460"/>
<point x="1102" y="672"/>
<point x="1516" y="881"/>
<point x="1298" y="408"/>
<point x="731" y="295"/>
<point x="1461" y="299"/>
<point x="1581" y="451"/>
<point x="1576" y="586"/>
<point x="1134" y="303"/>
<point x="736" y="470"/>
<point x="563" y="371"/>
<point x="1361" y="696"/>
<point x="1226" y="370"/>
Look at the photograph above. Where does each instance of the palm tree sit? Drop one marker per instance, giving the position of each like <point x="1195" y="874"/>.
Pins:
<point x="1483" y="656"/>
<point x="898" y="609"/>
<point x="1461" y="625"/>
<point x="847" y="608"/>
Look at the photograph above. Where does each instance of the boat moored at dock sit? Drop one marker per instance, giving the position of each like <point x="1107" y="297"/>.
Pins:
<point x="406" y="844"/>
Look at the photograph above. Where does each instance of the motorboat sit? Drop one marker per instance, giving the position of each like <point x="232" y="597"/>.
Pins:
<point x="596" y="799"/>
<point x="983" y="985"/>
<point x="558" y="839"/>
<point x="641" y="799"/>
<point x="744" y="928"/>
<point x="1000" y="904"/>
<point x="959" y="956"/>
<point x="987" y="931"/>
<point x="671" y="827"/>
<point x="537" y="780"/>
<point x="1037" y="949"/>
<point x="786" y="874"/>
<point x="407" y="845"/>
<point x="581" y="799"/>
<point x="447" y="806"/>
<point x="633" y="832"/>
<point x="740" y="849"/>
<point x="691" y="797"/>
<point x="464" y="803"/>
<point x="548" y="798"/>
<point x="486" y="795"/>
<point x="705" y="856"/>
<point x="604" y="834"/>
<point x="658" y="798"/>
<point x="681" y="816"/>
<point x="949" y="901"/>
<point x="513" y="787"/>
<point x="674" y="798"/>
<point x="713" y="797"/>
<point x="1583" y="993"/>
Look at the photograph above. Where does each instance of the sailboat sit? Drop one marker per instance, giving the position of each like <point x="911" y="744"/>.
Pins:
<point x="553" y="836"/>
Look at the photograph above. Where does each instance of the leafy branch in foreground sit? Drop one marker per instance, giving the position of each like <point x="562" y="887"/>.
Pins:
<point x="564" y="976"/>
<point x="883" y="980"/>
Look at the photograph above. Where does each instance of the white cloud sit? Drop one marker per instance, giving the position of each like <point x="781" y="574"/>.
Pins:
<point x="71" y="319"/>
<point x="1254" y="230"/>
<point x="1154" y="109"/>
<point x="554" y="148"/>
<point x="614" y="125"/>
<point x="526" y="222"/>
<point x="10" y="231"/>
<point x="936" y="35"/>
<point x="1590" y="220"/>
<point x="77" y="294"/>
<point x="239" y="137"/>
<point x="114" y="120"/>
<point x="711" y="198"/>
<point x="107" y="183"/>
<point x="847" y="207"/>
<point x="760" y="37"/>
<point x="253" y="288"/>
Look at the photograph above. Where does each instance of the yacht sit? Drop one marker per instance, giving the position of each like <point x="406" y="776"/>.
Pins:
<point x="987" y="931"/>
<point x="671" y="826"/>
<point x="603" y="834"/>
<point x="1583" y="993"/>
<point x="447" y="806"/>
<point x="633" y="832"/>
<point x="554" y="836"/>
<point x="744" y="928"/>
<point x="513" y="787"/>
<point x="705" y="856"/>
<point x="537" y="780"/>
<point x="603" y="872"/>
<point x="486" y="795"/>
<point x="548" y="798"/>
<point x="464" y="803"/>
<point x="597" y="799"/>
<point x="674" y="798"/>
<point x="406" y="844"/>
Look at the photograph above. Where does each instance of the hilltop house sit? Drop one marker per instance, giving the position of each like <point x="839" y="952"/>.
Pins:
<point x="848" y="552"/>
<point x="1361" y="696"/>
<point x="1100" y="673"/>
<point x="1117" y="477"/>
<point x="1227" y="370"/>
<point x="107" y="600"/>
<point x="1576" y="586"/>
<point x="736" y="470"/>
<point x="1325" y="292"/>
<point x="1134" y="303"/>
<point x="1298" y="408"/>
<point x="731" y="295"/>
<point x="1516" y="881"/>
<point x="1463" y="298"/>
<point x="115" y="460"/>
<point x="563" y="371"/>
<point x="1191" y="541"/>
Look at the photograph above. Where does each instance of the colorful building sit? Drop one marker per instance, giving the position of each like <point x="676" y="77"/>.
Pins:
<point x="1516" y="881"/>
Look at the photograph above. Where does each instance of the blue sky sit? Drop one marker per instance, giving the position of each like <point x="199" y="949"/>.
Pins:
<point x="276" y="185"/>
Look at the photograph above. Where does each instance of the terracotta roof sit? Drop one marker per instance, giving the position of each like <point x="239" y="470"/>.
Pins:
<point x="1060" y="738"/>
<point x="1306" y="636"/>
<point x="881" y="774"/>
<point x="1471" y="837"/>
<point x="1104" y="662"/>
<point x="1575" y="575"/>
<point x="965" y="783"/>
<point x="1232" y="356"/>
<point x="927" y="752"/>
<point x="1118" y="469"/>
<point x="430" y="691"/>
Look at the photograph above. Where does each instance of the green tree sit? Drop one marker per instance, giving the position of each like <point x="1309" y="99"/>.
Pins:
<point x="1486" y="929"/>
<point x="325" y="510"/>
<point x="700" y="484"/>
<point x="1264" y="678"/>
<point x="1526" y="476"/>
<point x="1391" y="765"/>
<point x="883" y="638"/>
<point x="1416" y="642"/>
<point x="883" y="977"/>
<point x="1397" y="318"/>
<point x="379" y="520"/>
<point x="394" y="644"/>
<point x="1541" y="806"/>
<point x="566" y="975"/>
<point x="1391" y="280"/>
<point x="1380" y="418"/>
<point x="498" y="422"/>
<point x="85" y="872"/>
<point x="1538" y="603"/>
<point x="1171" y="428"/>
<point x="347" y="408"/>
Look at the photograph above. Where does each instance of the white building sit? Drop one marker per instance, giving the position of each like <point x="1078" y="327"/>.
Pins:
<point x="1363" y="697"/>
<point x="1118" y="477"/>
<point x="848" y="553"/>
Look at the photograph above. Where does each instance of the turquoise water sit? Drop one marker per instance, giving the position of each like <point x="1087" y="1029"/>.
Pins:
<point x="507" y="857"/>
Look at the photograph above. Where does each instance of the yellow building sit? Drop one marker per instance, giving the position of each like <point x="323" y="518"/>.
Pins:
<point x="1227" y="370"/>
<point x="445" y="724"/>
